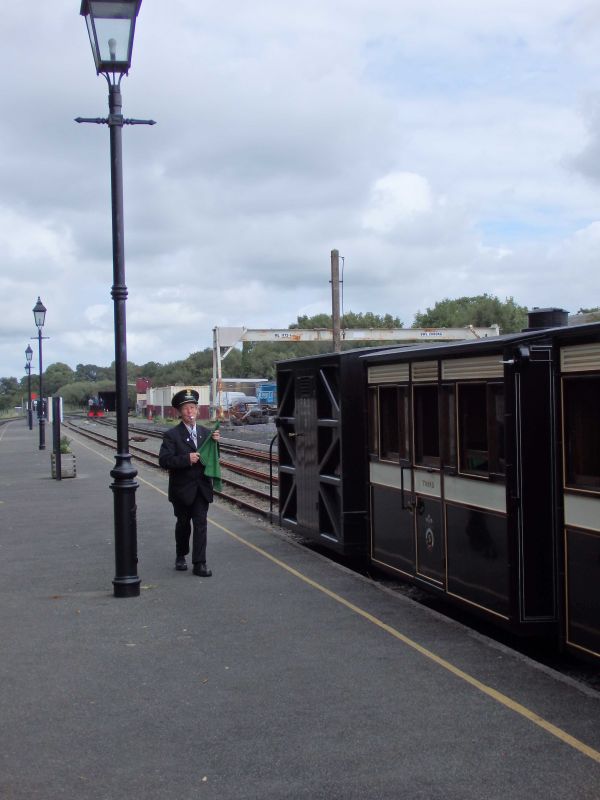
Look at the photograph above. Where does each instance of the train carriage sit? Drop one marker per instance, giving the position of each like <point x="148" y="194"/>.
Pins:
<point x="471" y="469"/>
<point x="461" y="467"/>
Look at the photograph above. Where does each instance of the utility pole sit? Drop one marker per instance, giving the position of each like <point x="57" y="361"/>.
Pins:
<point x="335" y="300"/>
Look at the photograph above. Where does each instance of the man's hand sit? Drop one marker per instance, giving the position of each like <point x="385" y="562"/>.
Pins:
<point x="216" y="435"/>
<point x="194" y="458"/>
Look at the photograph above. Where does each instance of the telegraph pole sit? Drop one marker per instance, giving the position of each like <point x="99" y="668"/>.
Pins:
<point x="335" y="300"/>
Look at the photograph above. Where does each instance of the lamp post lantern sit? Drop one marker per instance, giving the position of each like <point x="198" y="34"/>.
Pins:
<point x="111" y="26"/>
<point x="39" y="315"/>
<point x="28" y="357"/>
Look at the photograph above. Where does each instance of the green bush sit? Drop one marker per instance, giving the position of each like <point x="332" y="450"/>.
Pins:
<point x="65" y="444"/>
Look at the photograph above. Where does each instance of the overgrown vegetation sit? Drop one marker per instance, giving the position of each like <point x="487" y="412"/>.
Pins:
<point x="65" y="445"/>
<point x="481" y="311"/>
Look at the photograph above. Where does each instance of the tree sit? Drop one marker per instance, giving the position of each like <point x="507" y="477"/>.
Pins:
<point x="174" y="374"/>
<point x="350" y="320"/>
<point x="316" y="321"/>
<point x="149" y="369"/>
<point x="264" y="355"/>
<point x="231" y="367"/>
<point x="10" y="393"/>
<point x="481" y="311"/>
<point x="370" y="320"/>
<point x="8" y="386"/>
<point x="200" y="363"/>
<point x="591" y="314"/>
<point x="86" y="372"/>
<point x="57" y="375"/>
<point x="78" y="392"/>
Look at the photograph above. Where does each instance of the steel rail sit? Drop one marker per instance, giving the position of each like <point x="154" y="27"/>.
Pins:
<point x="250" y="452"/>
<point x="152" y="462"/>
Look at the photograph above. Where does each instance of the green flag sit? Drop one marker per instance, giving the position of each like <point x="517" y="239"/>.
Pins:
<point x="209" y="456"/>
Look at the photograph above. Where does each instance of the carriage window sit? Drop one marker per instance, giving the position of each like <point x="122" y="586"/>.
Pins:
<point x="389" y="415"/>
<point x="582" y="432"/>
<point x="373" y="422"/>
<point x="389" y="449"/>
<point x="403" y="421"/>
<point x="448" y="425"/>
<point x="427" y="429"/>
<point x="481" y="429"/>
<point x="496" y="425"/>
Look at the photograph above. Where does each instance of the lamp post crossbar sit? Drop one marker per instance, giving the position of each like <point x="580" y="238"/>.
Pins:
<point x="107" y="121"/>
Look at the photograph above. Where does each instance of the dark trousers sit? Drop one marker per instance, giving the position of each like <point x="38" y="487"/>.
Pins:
<point x="186" y="517"/>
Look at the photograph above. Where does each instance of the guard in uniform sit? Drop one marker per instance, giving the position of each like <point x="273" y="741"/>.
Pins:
<point x="190" y="490"/>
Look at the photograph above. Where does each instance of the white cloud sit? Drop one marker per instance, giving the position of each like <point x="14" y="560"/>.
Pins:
<point x="98" y="316"/>
<point x="397" y="198"/>
<point x="26" y="240"/>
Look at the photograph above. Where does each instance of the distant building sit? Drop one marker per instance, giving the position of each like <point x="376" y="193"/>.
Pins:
<point x="158" y="401"/>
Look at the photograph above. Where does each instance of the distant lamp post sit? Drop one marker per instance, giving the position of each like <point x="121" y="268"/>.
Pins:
<point x="111" y="26"/>
<point x="29" y="356"/>
<point x="39" y="315"/>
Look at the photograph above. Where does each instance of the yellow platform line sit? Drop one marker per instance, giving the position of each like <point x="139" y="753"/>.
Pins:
<point x="488" y="690"/>
<point x="499" y="697"/>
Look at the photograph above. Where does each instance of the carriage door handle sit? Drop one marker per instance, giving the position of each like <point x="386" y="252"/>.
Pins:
<point x="410" y="504"/>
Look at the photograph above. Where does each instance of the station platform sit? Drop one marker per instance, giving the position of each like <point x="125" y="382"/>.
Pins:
<point x="283" y="676"/>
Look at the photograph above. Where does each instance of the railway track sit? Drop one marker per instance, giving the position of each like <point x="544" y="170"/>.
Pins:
<point x="239" y="450"/>
<point x="259" y="452"/>
<point x="244" y="484"/>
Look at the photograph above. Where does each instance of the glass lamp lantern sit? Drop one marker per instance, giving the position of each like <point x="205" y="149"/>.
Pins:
<point x="28" y="354"/>
<point x="39" y="313"/>
<point x="111" y="25"/>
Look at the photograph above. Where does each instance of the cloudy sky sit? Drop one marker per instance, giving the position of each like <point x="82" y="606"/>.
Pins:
<point x="444" y="147"/>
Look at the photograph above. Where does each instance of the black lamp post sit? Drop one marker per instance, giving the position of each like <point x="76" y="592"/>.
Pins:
<point x="39" y="315"/>
<point x="111" y="25"/>
<point x="29" y="356"/>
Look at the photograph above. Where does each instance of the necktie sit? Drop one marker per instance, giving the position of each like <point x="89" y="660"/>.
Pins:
<point x="194" y="439"/>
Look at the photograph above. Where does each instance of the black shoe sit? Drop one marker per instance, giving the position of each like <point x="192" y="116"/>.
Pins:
<point x="202" y="571"/>
<point x="180" y="563"/>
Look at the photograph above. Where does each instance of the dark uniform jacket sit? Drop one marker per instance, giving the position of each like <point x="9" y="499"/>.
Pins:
<point x="184" y="478"/>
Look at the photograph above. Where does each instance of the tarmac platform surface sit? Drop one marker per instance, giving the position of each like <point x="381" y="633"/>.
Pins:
<point x="284" y="675"/>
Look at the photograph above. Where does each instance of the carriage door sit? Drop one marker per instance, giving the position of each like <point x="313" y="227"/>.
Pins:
<point x="429" y="529"/>
<point x="580" y="366"/>
<point x="535" y="495"/>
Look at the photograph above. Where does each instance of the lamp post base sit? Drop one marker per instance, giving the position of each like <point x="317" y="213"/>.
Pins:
<point x="126" y="582"/>
<point x="126" y="587"/>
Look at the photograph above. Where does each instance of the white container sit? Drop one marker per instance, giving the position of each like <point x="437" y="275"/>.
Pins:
<point x="68" y="465"/>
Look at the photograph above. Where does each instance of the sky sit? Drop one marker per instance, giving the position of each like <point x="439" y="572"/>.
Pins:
<point x="444" y="147"/>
